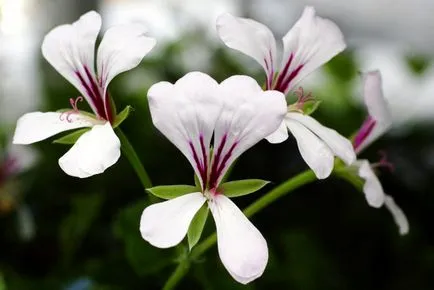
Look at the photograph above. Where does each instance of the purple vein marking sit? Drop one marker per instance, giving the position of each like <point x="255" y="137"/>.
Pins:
<point x="366" y="129"/>
<point x="213" y="174"/>
<point x="291" y="76"/>
<point x="199" y="165"/>
<point x="225" y="160"/>
<point x="94" y="92"/>
<point x="205" y="160"/>
<point x="283" y="73"/>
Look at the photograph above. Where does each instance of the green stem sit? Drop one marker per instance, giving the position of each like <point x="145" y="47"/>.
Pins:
<point x="134" y="160"/>
<point x="276" y="193"/>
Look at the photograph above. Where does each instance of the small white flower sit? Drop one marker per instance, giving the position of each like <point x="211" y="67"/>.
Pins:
<point x="376" y="124"/>
<point x="70" y="49"/>
<point x="236" y="114"/>
<point x="310" y="43"/>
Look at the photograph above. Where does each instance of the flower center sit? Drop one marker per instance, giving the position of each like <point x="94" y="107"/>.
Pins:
<point x="94" y="94"/>
<point x="74" y="104"/>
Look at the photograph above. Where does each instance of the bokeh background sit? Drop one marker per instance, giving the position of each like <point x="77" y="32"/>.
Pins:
<point x="58" y="232"/>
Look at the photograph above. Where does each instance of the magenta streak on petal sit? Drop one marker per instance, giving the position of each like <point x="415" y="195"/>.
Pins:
<point x="365" y="130"/>
<point x="93" y="95"/>
<point x="216" y="160"/>
<point x="205" y="160"/>
<point x="199" y="165"/>
<point x="97" y="90"/>
<point x="288" y="80"/>
<point x="223" y="163"/>
<point x="283" y="73"/>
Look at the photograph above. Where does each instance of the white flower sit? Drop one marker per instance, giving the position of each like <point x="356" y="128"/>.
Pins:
<point x="235" y="114"/>
<point x="70" y="49"/>
<point x="308" y="45"/>
<point x="375" y="125"/>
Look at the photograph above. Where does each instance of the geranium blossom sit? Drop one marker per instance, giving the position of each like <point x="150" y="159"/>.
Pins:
<point x="235" y="114"/>
<point x="375" y="125"/>
<point x="310" y="43"/>
<point x="70" y="49"/>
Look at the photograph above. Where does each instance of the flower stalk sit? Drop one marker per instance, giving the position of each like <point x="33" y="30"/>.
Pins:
<point x="133" y="158"/>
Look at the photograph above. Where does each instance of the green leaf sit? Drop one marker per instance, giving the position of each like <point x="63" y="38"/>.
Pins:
<point x="197" y="225"/>
<point x="71" y="138"/>
<point x="172" y="191"/>
<point x="242" y="187"/>
<point x="310" y="106"/>
<point x="122" y="116"/>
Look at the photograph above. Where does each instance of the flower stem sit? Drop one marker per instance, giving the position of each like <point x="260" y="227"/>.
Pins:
<point x="276" y="193"/>
<point x="134" y="160"/>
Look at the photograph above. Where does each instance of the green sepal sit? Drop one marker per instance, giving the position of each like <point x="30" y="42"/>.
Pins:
<point x="307" y="108"/>
<point x="196" y="181"/>
<point x="172" y="191"/>
<point x="197" y="225"/>
<point x="122" y="116"/>
<point x="71" y="138"/>
<point x="242" y="187"/>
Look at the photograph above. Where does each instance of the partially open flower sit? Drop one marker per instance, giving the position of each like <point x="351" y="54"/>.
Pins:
<point x="70" y="49"/>
<point x="234" y="116"/>
<point x="310" y="43"/>
<point x="376" y="124"/>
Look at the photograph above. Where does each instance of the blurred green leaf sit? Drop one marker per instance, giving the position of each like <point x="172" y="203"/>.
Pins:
<point x="242" y="187"/>
<point x="196" y="227"/>
<point x="71" y="138"/>
<point x="84" y="210"/>
<point x="2" y="283"/>
<point x="144" y="258"/>
<point x="418" y="64"/>
<point x="172" y="191"/>
<point x="122" y="116"/>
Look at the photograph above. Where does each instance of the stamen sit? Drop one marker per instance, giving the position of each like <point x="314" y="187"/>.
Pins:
<point x="302" y="98"/>
<point x="383" y="162"/>
<point x="74" y="104"/>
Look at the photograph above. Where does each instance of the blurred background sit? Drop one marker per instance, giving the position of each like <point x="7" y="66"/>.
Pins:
<point x="58" y="232"/>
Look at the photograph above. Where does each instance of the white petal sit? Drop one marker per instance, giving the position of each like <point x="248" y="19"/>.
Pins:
<point x="398" y="215"/>
<point x="340" y="146"/>
<point x="372" y="188"/>
<point x="165" y="224"/>
<point x="70" y="49"/>
<point x="312" y="41"/>
<point x="242" y="248"/>
<point x="37" y="126"/>
<point x="315" y="153"/>
<point x="377" y="108"/>
<point x="251" y="38"/>
<point x="122" y="49"/>
<point x="94" y="152"/>
<point x="185" y="111"/>
<point x="280" y="135"/>
<point x="248" y="116"/>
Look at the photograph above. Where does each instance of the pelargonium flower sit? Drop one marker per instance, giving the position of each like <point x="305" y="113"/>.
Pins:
<point x="70" y="49"/>
<point x="379" y="120"/>
<point x="235" y="114"/>
<point x="310" y="43"/>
